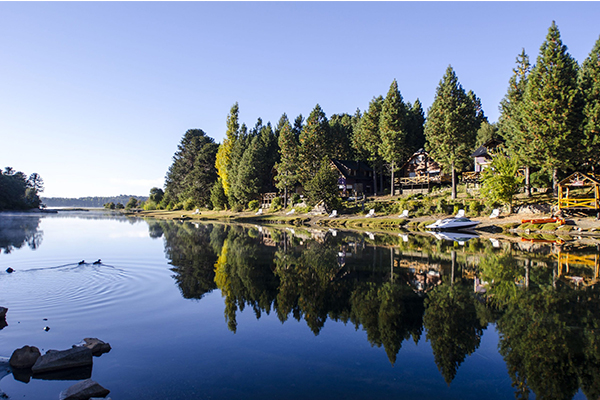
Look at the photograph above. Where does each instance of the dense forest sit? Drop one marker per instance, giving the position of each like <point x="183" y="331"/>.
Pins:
<point x="18" y="191"/>
<point x="88" y="202"/>
<point x="549" y="125"/>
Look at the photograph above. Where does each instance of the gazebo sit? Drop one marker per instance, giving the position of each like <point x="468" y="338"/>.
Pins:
<point x="579" y="191"/>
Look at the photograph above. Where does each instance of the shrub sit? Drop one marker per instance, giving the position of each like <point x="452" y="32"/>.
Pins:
<point x="277" y="204"/>
<point x="189" y="204"/>
<point x="475" y="207"/>
<point x="253" y="205"/>
<point x="295" y="198"/>
<point x="150" y="205"/>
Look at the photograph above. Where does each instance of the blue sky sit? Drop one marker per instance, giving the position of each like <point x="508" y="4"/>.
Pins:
<point x="95" y="96"/>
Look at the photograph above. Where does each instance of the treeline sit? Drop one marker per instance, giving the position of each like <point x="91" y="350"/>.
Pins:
<point x="18" y="191"/>
<point x="549" y="122"/>
<point x="88" y="202"/>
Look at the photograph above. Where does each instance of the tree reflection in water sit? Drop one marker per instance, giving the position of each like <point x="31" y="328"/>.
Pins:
<point x="393" y="289"/>
<point x="16" y="231"/>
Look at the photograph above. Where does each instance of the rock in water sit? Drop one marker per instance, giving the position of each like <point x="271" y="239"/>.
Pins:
<point x="3" y="311"/>
<point x="25" y="357"/>
<point x="55" y="360"/>
<point x="84" y="390"/>
<point x="97" y="346"/>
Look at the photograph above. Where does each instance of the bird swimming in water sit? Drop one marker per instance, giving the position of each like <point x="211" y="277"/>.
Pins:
<point x="81" y="262"/>
<point x="97" y="262"/>
<point x="10" y="270"/>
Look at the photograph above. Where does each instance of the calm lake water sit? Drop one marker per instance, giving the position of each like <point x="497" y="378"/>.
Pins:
<point x="213" y="311"/>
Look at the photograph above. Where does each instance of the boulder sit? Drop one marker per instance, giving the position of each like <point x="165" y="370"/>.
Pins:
<point x="25" y="357"/>
<point x="97" y="346"/>
<point x="55" y="360"/>
<point x="84" y="390"/>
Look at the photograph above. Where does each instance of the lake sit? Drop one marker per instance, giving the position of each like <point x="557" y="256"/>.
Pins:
<point x="217" y="311"/>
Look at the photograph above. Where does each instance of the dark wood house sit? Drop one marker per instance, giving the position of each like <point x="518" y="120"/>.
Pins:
<point x="420" y="171"/>
<point x="355" y="177"/>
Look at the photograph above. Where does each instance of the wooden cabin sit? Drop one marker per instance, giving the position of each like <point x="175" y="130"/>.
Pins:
<point x="419" y="172"/>
<point x="579" y="191"/>
<point x="354" y="177"/>
<point x="482" y="158"/>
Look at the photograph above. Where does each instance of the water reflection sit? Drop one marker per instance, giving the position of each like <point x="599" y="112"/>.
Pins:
<point x="17" y="231"/>
<point x="541" y="297"/>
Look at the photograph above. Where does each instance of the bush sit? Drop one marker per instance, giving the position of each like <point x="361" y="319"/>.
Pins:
<point x="475" y="207"/>
<point x="253" y="205"/>
<point x="189" y="204"/>
<point x="150" y="205"/>
<point x="237" y="207"/>
<point x="295" y="198"/>
<point x="277" y="204"/>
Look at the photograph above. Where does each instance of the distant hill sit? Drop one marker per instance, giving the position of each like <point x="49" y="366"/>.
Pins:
<point x="88" y="201"/>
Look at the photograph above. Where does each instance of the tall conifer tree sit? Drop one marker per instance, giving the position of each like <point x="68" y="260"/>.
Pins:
<point x="451" y="125"/>
<point x="553" y="108"/>
<point x="224" y="154"/>
<point x="315" y="142"/>
<point x="366" y="139"/>
<point x="415" y="136"/>
<point x="510" y="124"/>
<point x="392" y="130"/>
<point x="287" y="167"/>
<point x="590" y="88"/>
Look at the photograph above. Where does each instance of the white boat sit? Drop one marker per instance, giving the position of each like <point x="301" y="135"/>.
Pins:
<point x="452" y="223"/>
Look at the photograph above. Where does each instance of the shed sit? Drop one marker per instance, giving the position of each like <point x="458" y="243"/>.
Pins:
<point x="579" y="191"/>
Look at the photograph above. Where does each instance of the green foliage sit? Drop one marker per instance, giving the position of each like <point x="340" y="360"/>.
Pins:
<point x="17" y="192"/>
<point x="223" y="156"/>
<point x="323" y="186"/>
<point x="287" y="168"/>
<point x="295" y="198"/>
<point x="452" y="123"/>
<point x="193" y="173"/>
<point x="253" y="205"/>
<point x="500" y="180"/>
<point x="589" y="82"/>
<point x="217" y="196"/>
<point x="156" y="195"/>
<point x="392" y="128"/>
<point x="315" y="143"/>
<point x="132" y="203"/>
<point x="553" y="107"/>
<point x="277" y="204"/>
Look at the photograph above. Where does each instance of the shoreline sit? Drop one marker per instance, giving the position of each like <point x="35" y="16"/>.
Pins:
<point x="577" y="227"/>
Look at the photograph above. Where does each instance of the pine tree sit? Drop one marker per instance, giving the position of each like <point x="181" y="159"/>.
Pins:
<point x="341" y="127"/>
<point x="553" y="108"/>
<point x="589" y="83"/>
<point x="415" y="136"/>
<point x="510" y="124"/>
<point x="224" y="154"/>
<point x="451" y="125"/>
<point x="192" y="173"/>
<point x="392" y="130"/>
<point x="287" y="167"/>
<point x="366" y="139"/>
<point x="314" y="142"/>
<point x="237" y="152"/>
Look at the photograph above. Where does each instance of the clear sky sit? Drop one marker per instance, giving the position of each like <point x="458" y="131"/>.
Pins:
<point x="95" y="96"/>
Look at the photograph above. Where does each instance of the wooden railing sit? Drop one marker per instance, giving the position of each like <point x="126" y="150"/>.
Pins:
<point x="471" y="176"/>
<point x="590" y="203"/>
<point x="422" y="180"/>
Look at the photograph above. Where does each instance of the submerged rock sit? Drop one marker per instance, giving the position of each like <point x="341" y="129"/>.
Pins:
<point x="84" y="390"/>
<point x="25" y="357"/>
<point x="62" y="359"/>
<point x="97" y="346"/>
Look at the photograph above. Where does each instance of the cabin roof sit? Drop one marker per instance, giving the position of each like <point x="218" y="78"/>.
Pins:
<point x="482" y="151"/>
<point x="580" y="179"/>
<point x="345" y="166"/>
